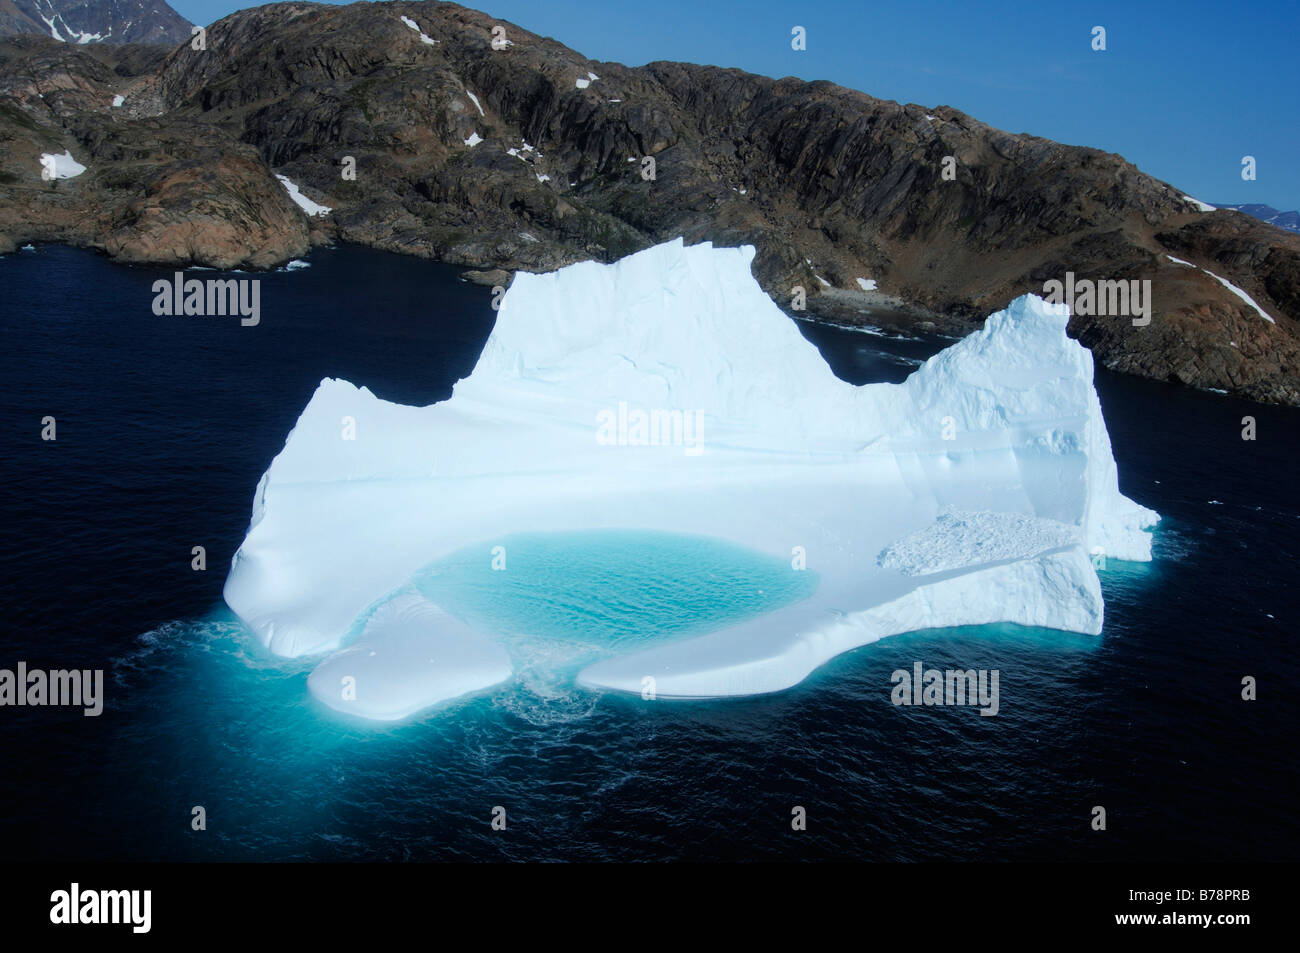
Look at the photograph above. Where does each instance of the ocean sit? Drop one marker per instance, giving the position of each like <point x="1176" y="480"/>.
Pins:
<point x="165" y="424"/>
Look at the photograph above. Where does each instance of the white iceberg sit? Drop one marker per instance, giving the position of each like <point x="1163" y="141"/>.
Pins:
<point x="994" y="451"/>
<point x="410" y="652"/>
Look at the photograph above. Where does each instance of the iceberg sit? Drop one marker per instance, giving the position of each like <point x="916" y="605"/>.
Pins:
<point x="411" y="651"/>
<point x="667" y="392"/>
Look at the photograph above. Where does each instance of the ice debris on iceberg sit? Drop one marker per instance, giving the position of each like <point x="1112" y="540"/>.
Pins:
<point x="976" y="491"/>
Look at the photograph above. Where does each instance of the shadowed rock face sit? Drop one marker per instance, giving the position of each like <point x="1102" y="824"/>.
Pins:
<point x="829" y="184"/>
<point x="95" y="21"/>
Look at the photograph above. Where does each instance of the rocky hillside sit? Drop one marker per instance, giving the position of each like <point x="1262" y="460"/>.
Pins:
<point x="95" y="21"/>
<point x="529" y="155"/>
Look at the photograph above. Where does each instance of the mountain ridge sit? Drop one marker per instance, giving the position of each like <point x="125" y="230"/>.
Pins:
<point x="516" y="159"/>
<point x="112" y="21"/>
<point x="1266" y="213"/>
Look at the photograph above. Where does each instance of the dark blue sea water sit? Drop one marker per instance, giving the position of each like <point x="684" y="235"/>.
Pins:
<point x="166" y="424"/>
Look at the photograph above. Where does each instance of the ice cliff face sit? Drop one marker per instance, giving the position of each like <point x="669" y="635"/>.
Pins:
<point x="668" y="392"/>
<point x="689" y="329"/>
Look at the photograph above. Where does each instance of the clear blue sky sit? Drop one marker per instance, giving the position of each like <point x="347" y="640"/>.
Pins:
<point x="1184" y="89"/>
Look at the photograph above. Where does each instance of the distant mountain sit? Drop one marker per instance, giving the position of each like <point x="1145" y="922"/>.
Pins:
<point x="1267" y="213"/>
<point x="420" y="137"/>
<point x="95" y="21"/>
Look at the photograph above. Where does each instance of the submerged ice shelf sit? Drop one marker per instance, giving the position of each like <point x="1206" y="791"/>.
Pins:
<point x="667" y="393"/>
<point x="596" y="592"/>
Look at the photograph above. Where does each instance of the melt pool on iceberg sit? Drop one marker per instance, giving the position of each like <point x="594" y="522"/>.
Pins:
<point x="667" y="393"/>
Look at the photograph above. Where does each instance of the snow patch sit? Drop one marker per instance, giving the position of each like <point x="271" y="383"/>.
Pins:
<point x="63" y="166"/>
<point x="473" y="140"/>
<point x="1240" y="294"/>
<point x="50" y="23"/>
<point x="522" y="153"/>
<point x="1230" y="286"/>
<point x="304" y="203"/>
<point x="424" y="38"/>
<point x="867" y="284"/>
<point x="1202" y="206"/>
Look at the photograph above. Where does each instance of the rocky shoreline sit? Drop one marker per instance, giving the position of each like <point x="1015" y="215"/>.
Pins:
<point x="515" y="158"/>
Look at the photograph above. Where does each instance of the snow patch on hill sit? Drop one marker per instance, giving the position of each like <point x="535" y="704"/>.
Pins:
<point x="304" y="203"/>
